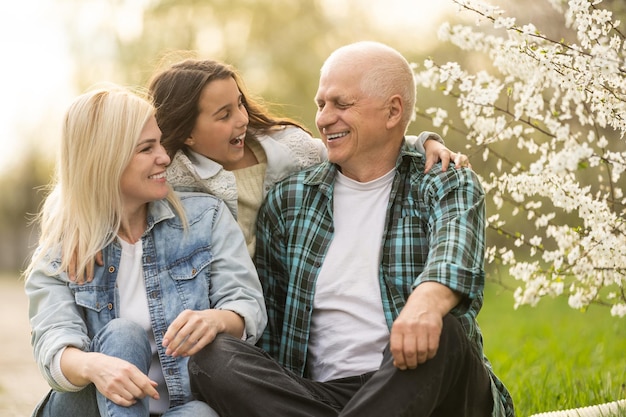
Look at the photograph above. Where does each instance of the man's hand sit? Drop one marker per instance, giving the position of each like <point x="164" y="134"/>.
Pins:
<point x="416" y="332"/>
<point x="415" y="338"/>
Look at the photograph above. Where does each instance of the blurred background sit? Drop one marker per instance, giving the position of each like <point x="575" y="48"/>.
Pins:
<point x="54" y="50"/>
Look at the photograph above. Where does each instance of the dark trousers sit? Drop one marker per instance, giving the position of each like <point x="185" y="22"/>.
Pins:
<point x="238" y="379"/>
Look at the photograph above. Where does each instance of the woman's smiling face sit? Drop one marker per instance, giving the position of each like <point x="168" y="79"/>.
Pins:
<point x="221" y="124"/>
<point x="143" y="180"/>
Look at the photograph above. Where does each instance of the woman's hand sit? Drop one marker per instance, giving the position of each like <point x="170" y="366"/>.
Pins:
<point x="118" y="380"/>
<point x="193" y="330"/>
<point x="122" y="382"/>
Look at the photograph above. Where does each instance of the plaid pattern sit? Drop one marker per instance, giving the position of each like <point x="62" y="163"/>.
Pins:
<point x="434" y="232"/>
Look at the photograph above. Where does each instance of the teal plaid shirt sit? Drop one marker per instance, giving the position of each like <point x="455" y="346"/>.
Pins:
<point x="434" y="231"/>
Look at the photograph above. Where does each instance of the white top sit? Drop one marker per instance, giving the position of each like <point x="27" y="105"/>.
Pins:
<point x="348" y="329"/>
<point x="134" y="306"/>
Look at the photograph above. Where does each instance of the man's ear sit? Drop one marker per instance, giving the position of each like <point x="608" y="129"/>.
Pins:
<point x="394" y="111"/>
<point x="189" y="141"/>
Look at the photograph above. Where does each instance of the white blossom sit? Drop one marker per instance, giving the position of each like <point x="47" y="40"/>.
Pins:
<point x="549" y="118"/>
<point x="619" y="310"/>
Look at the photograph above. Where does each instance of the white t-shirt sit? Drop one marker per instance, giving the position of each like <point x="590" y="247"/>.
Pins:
<point x="134" y="306"/>
<point x="348" y="330"/>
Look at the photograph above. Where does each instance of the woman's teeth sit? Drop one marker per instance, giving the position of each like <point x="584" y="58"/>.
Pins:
<point x="336" y="135"/>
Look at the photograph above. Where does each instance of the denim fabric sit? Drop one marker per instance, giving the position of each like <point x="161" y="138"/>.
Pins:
<point x="84" y="404"/>
<point x="205" y="266"/>
<point x="124" y="339"/>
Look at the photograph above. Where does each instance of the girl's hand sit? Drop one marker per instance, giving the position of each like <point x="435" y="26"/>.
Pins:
<point x="436" y="151"/>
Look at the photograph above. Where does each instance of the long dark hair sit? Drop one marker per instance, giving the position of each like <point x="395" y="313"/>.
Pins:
<point x="176" y="92"/>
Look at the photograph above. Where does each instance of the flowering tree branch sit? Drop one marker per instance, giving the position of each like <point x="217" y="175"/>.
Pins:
<point x="548" y="118"/>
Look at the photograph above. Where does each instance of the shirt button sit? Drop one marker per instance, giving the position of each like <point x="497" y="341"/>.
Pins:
<point x="111" y="269"/>
<point x="110" y="306"/>
<point x="193" y="271"/>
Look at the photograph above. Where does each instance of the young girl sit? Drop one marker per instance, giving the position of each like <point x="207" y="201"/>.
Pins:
<point x="175" y="270"/>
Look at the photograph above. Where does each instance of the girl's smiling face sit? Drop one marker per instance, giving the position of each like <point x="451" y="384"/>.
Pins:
<point x="221" y="125"/>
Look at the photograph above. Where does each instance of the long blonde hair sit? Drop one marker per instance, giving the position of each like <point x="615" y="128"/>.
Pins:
<point x="82" y="213"/>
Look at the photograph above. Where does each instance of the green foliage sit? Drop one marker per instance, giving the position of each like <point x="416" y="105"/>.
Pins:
<point x="278" y="45"/>
<point x="22" y="193"/>
<point x="552" y="357"/>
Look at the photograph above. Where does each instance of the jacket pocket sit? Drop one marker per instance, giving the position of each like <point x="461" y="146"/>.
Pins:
<point x="190" y="266"/>
<point x="92" y="298"/>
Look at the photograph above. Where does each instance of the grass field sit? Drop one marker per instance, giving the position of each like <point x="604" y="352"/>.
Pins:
<point x="552" y="357"/>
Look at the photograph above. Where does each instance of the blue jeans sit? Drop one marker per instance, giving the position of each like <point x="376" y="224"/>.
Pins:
<point x="126" y="340"/>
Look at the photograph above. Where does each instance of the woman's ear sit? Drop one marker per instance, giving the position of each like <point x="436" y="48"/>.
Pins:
<point x="189" y="141"/>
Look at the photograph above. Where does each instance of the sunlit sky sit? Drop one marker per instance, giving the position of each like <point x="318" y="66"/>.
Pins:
<point x="36" y="71"/>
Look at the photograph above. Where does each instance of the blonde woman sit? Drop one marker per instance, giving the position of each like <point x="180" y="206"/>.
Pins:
<point x="175" y="270"/>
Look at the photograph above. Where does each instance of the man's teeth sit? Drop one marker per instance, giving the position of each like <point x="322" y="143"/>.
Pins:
<point x="158" y="176"/>
<point x="336" y="135"/>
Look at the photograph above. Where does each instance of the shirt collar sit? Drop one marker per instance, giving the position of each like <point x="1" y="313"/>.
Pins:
<point x="158" y="211"/>
<point x="205" y="167"/>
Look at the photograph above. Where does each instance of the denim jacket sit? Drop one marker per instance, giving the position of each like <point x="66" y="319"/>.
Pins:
<point x="205" y="266"/>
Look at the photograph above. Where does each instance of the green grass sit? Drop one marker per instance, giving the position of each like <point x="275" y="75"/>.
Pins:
<point x="552" y="357"/>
